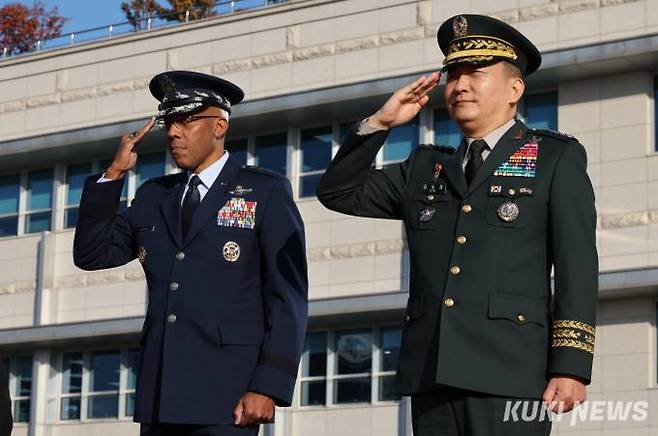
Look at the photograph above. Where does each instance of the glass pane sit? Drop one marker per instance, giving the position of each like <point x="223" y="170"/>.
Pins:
<point x="237" y="148"/>
<point x="353" y="390"/>
<point x="446" y="131"/>
<point x="75" y="180"/>
<point x="70" y="408"/>
<point x="387" y="389"/>
<point x="22" y="411"/>
<point x="314" y="359"/>
<point x="71" y="217"/>
<point x="103" y="406"/>
<point x="401" y="141"/>
<point x="37" y="222"/>
<point x="104" y="369"/>
<point x="130" y="404"/>
<point x="24" y="376"/>
<point x="541" y="110"/>
<point x="9" y="226"/>
<point x="309" y="185"/>
<point x="314" y="393"/>
<point x="343" y="128"/>
<point x="9" y="192"/>
<point x="150" y="166"/>
<point x="72" y="373"/>
<point x="316" y="148"/>
<point x="271" y="152"/>
<point x="40" y="190"/>
<point x="390" y="348"/>
<point x="132" y="362"/>
<point x="354" y="351"/>
<point x="104" y="165"/>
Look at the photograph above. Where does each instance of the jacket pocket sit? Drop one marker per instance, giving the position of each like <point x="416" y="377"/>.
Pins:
<point x="509" y="202"/>
<point x="241" y="334"/>
<point x="428" y="210"/>
<point x="519" y="309"/>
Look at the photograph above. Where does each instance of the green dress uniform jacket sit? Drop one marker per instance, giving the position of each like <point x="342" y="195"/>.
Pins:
<point x="481" y="315"/>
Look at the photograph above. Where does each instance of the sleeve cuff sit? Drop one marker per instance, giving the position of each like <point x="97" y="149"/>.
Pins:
<point x="363" y="128"/>
<point x="275" y="384"/>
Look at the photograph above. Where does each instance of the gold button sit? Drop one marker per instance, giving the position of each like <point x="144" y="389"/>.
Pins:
<point x="461" y="240"/>
<point x="511" y="191"/>
<point x="407" y="318"/>
<point x="430" y="197"/>
<point x="173" y="286"/>
<point x="448" y="302"/>
<point x="467" y="208"/>
<point x="180" y="255"/>
<point x="171" y="318"/>
<point x="455" y="270"/>
<point x="520" y="317"/>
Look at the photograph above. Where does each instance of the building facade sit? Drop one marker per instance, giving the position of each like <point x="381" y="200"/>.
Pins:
<point x="70" y="338"/>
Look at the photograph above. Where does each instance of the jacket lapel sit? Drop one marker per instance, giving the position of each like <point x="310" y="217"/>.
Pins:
<point x="511" y="141"/>
<point x="170" y="208"/>
<point x="216" y="197"/>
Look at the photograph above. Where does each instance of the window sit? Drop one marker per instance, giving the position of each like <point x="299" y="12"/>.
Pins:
<point x="400" y="142"/>
<point x="98" y="384"/>
<point x="19" y="372"/>
<point x="314" y="370"/>
<point x="353" y="366"/>
<point x="272" y="152"/>
<point x="315" y="147"/>
<point x="149" y="166"/>
<point x="10" y="189"/>
<point x="75" y="180"/>
<point x="655" y="112"/>
<point x="237" y="148"/>
<point x="446" y="131"/>
<point x="39" y="201"/>
<point x="389" y="351"/>
<point x="540" y="110"/>
<point x="123" y="202"/>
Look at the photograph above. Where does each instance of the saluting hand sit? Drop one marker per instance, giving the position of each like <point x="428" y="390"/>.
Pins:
<point x="253" y="409"/>
<point x="405" y="103"/>
<point x="126" y="157"/>
<point x="563" y="393"/>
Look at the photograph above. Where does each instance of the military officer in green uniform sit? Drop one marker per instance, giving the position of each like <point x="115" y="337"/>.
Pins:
<point x="486" y="224"/>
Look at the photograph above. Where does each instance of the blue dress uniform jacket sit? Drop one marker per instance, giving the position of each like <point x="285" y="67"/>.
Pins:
<point x="481" y="315"/>
<point x="227" y="305"/>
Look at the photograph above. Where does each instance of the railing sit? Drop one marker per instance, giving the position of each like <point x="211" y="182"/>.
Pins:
<point x="147" y="24"/>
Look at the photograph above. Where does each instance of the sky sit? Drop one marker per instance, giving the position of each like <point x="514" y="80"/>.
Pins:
<point x="83" y="14"/>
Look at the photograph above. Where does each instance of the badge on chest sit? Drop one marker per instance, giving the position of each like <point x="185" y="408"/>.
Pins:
<point x="238" y="212"/>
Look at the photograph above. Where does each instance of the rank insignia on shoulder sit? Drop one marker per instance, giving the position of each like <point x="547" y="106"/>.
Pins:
<point x="239" y="190"/>
<point x="426" y="215"/>
<point x="522" y="163"/>
<point x="231" y="251"/>
<point x="237" y="212"/>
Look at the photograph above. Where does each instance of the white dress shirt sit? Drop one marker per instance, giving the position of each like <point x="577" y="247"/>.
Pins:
<point x="490" y="138"/>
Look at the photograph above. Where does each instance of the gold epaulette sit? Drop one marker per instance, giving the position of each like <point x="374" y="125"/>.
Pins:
<point x="574" y="334"/>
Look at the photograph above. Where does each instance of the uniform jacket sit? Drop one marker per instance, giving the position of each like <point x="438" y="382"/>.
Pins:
<point x="5" y="403"/>
<point x="238" y="294"/>
<point x="481" y="314"/>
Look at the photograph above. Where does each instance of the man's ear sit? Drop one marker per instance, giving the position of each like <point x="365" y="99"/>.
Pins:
<point x="516" y="91"/>
<point x="221" y="127"/>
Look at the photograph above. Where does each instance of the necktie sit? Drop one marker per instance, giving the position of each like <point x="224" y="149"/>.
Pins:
<point x="190" y="202"/>
<point x="475" y="159"/>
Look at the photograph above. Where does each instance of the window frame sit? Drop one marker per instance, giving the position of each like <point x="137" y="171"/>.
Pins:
<point x="13" y="386"/>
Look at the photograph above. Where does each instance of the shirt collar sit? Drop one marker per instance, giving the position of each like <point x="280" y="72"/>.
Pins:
<point x="494" y="136"/>
<point x="210" y="174"/>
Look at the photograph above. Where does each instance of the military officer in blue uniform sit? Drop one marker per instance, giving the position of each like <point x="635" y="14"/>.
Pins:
<point x="485" y="226"/>
<point x="223" y="250"/>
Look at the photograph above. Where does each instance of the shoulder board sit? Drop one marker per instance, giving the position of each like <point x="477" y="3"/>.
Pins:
<point x="553" y="134"/>
<point x="261" y="170"/>
<point x="441" y="148"/>
<point x="167" y="180"/>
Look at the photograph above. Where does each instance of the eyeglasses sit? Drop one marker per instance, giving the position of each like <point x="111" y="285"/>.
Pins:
<point x="181" y="122"/>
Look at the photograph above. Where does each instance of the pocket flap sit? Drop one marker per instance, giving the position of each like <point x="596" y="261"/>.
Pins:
<point x="510" y="188"/>
<point x="241" y="334"/>
<point x="518" y="308"/>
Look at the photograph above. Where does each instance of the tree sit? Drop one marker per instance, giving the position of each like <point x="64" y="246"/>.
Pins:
<point x="197" y="9"/>
<point x="22" y="26"/>
<point x="139" y="11"/>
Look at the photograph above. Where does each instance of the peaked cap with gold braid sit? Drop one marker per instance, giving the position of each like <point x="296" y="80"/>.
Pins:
<point x="479" y="39"/>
